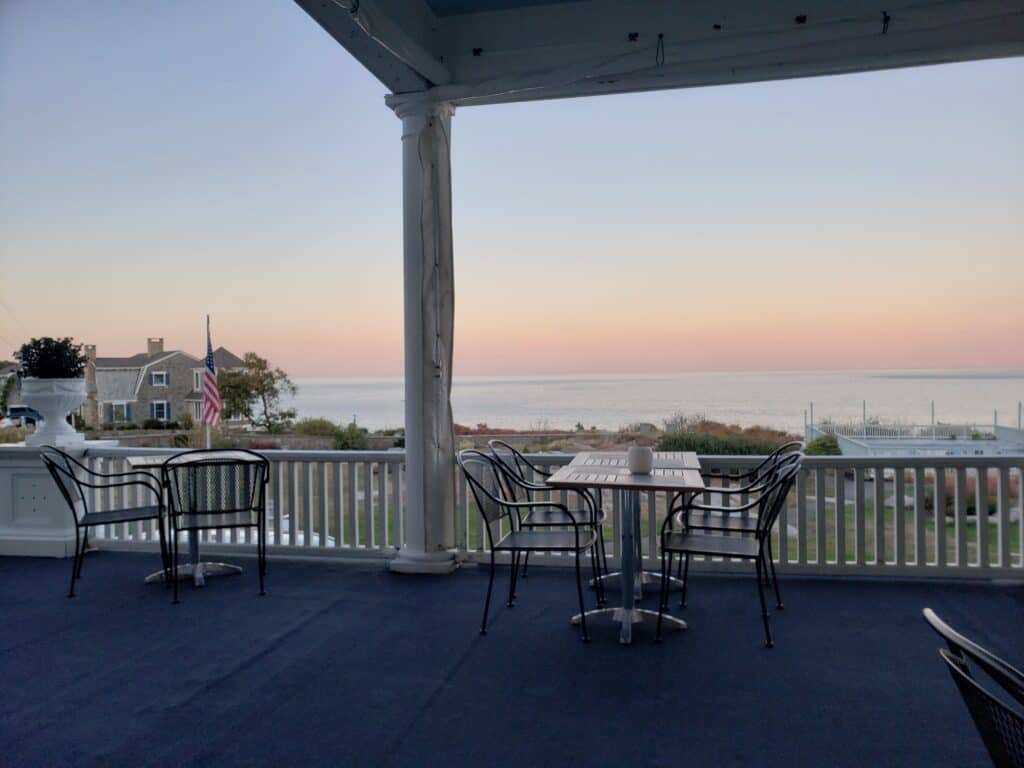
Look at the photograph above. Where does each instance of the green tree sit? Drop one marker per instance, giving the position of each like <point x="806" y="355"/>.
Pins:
<point x="6" y="388"/>
<point x="255" y="393"/>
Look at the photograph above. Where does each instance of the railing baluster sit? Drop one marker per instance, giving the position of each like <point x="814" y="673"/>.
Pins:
<point x="1003" y="503"/>
<point x="859" y="535"/>
<point x="367" y="532"/>
<point x="939" y="504"/>
<point x="981" y="518"/>
<point x="900" y="516"/>
<point x="879" y="515"/>
<point x="382" y="503"/>
<point x="782" y="553"/>
<point x="920" y="553"/>
<point x="801" y="517"/>
<point x="820" y="521"/>
<point x="278" y="497"/>
<point x="840" y="481"/>
<point x="960" y="530"/>
<point x="339" y="504"/>
<point x="321" y="485"/>
<point x="353" y="516"/>
<point x="396" y="493"/>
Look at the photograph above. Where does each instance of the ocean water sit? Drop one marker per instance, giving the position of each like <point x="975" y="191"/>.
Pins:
<point x="769" y="398"/>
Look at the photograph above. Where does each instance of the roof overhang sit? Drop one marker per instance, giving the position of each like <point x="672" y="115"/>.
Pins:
<point x="493" y="51"/>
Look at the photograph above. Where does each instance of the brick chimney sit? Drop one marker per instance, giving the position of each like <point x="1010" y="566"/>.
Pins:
<point x="154" y="345"/>
<point x="91" y="414"/>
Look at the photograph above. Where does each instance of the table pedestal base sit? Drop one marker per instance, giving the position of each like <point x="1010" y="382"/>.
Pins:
<point x="197" y="572"/>
<point x="646" y="577"/>
<point x="628" y="618"/>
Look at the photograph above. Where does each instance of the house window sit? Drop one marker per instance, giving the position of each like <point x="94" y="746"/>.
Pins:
<point x="160" y="409"/>
<point x="158" y="378"/>
<point x="197" y="410"/>
<point x="197" y="380"/>
<point x="120" y="413"/>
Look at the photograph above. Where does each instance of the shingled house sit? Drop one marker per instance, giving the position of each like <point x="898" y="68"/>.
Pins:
<point x="160" y="384"/>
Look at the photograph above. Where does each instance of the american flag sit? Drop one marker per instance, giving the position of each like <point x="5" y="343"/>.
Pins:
<point x="212" y="405"/>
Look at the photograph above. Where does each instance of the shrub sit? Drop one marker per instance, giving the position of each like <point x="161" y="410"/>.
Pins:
<point x="48" y="358"/>
<point x="826" y="445"/>
<point x="152" y="424"/>
<point x="716" y="445"/>
<point x="317" y="428"/>
<point x="12" y="434"/>
<point x="351" y="438"/>
<point x="186" y="421"/>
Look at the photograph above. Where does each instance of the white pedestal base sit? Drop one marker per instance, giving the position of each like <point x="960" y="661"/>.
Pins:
<point x="420" y="562"/>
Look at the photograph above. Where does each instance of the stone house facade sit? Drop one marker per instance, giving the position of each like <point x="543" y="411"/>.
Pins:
<point x="165" y="385"/>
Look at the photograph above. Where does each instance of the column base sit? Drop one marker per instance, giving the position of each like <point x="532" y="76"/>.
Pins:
<point x="410" y="561"/>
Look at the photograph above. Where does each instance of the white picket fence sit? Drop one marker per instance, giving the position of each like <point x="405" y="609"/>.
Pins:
<point x="352" y="504"/>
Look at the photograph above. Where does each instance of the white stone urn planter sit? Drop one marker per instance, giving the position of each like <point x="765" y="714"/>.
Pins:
<point x="54" y="399"/>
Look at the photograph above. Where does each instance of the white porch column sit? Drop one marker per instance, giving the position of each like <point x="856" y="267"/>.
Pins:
<point x="429" y="321"/>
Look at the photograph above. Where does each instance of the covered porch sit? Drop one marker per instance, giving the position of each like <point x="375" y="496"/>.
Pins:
<point x="347" y="664"/>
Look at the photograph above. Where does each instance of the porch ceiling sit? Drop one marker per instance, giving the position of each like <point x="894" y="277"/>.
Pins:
<point x="488" y="51"/>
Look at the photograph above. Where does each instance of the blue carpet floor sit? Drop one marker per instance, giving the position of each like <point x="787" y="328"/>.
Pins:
<point x="342" y="665"/>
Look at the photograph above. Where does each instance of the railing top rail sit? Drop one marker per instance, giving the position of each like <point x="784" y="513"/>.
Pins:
<point x="273" y="454"/>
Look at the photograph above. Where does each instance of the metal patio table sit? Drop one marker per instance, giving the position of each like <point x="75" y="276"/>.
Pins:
<point x="673" y="471"/>
<point x="195" y="569"/>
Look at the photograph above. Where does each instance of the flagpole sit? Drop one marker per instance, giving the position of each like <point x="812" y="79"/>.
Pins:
<point x="208" y="443"/>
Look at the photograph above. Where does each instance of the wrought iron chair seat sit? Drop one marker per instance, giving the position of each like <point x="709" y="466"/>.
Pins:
<point x="129" y="515"/>
<point x="534" y="540"/>
<point x="722" y="521"/>
<point x="556" y="517"/>
<point x="711" y="544"/>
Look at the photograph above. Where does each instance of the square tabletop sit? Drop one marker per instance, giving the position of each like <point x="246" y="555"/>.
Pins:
<point x="673" y="471"/>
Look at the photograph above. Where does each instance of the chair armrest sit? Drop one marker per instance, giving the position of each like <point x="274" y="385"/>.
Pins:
<point x="157" y="490"/>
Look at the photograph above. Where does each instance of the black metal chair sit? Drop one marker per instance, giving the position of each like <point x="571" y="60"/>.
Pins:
<point x="213" y="489"/>
<point x="998" y="717"/>
<point x="484" y="476"/>
<point x="522" y="486"/>
<point x="688" y="542"/>
<point x="73" y="478"/>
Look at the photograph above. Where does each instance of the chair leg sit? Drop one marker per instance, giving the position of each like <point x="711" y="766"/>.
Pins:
<point x="666" y="568"/>
<point x="174" y="564"/>
<point x="604" y="550"/>
<point x="261" y="557"/>
<point x="579" y="594"/>
<point x="487" y="602"/>
<point x="74" y="564"/>
<point x="165" y="557"/>
<point x="512" y="580"/>
<point x="85" y="546"/>
<point x="775" y="578"/>
<point x="764" y="609"/>
<point x="685" y="575"/>
<point x="526" y="563"/>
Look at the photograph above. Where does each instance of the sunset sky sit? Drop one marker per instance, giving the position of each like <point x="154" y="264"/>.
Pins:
<point x="159" y="161"/>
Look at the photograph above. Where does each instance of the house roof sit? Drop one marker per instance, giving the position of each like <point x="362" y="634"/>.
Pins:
<point x="224" y="358"/>
<point x="116" y="384"/>
<point x="135" y="361"/>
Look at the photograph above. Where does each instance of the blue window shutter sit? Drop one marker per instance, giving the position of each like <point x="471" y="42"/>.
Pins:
<point x="152" y="410"/>
<point x="127" y="411"/>
<point x="167" y="379"/>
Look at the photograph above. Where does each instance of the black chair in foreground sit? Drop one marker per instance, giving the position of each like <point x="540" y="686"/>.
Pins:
<point x="483" y="474"/>
<point x="526" y="481"/>
<point x="999" y="717"/>
<point x="73" y="478"/>
<point x="211" y="489"/>
<point x="695" y="542"/>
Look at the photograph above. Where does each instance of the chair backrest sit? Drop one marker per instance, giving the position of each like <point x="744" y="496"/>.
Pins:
<point x="483" y="476"/>
<point x="62" y="468"/>
<point x="515" y="465"/>
<point x="213" y="483"/>
<point x="776" y="494"/>
<point x="999" y="719"/>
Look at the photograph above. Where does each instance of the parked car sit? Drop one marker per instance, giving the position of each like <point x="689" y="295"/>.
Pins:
<point x="23" y="416"/>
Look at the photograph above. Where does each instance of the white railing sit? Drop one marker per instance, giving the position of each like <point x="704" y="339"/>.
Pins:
<point x="906" y="431"/>
<point x="920" y="519"/>
<point x="318" y="503"/>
